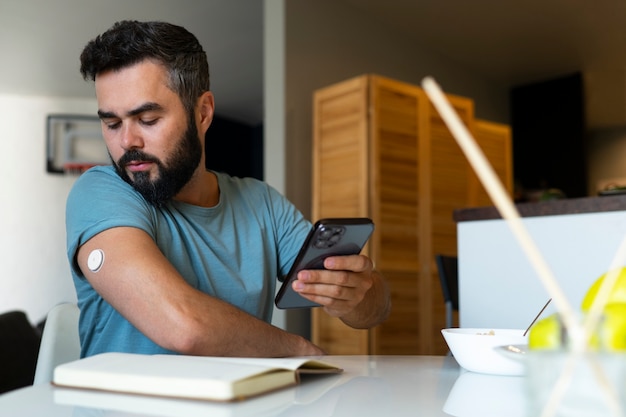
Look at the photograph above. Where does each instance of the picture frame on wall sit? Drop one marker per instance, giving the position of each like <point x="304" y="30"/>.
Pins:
<point x="74" y="143"/>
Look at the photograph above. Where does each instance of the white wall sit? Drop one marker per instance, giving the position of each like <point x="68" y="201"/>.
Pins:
<point x="274" y="104"/>
<point x="34" y="268"/>
<point x="274" y="93"/>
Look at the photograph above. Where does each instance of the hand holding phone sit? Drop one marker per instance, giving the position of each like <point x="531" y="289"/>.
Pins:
<point x="328" y="237"/>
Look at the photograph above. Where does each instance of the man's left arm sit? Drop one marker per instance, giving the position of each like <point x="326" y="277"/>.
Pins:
<point x="349" y="288"/>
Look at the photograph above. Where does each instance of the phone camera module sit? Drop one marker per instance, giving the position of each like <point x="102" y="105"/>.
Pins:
<point x="329" y="237"/>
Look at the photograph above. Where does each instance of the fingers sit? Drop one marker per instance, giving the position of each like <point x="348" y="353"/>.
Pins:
<point x="337" y="285"/>
<point x="340" y="287"/>
<point x="354" y="263"/>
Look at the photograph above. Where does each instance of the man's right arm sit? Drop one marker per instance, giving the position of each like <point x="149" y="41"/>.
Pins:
<point x="144" y="287"/>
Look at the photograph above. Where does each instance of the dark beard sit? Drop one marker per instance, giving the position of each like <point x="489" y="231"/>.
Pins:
<point x="172" y="176"/>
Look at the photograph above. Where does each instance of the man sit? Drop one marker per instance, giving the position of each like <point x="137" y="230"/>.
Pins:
<point x="168" y="257"/>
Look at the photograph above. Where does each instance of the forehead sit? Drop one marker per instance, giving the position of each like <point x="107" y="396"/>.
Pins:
<point x="128" y="87"/>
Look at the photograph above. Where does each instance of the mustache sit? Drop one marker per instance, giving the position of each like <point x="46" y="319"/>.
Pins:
<point x="136" y="155"/>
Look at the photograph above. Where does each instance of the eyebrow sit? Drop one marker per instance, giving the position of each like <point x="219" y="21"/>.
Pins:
<point x="150" y="106"/>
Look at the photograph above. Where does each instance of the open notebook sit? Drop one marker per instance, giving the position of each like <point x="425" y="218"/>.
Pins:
<point x="192" y="377"/>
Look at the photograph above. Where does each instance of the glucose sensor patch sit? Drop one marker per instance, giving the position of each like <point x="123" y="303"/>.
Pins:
<point x="95" y="260"/>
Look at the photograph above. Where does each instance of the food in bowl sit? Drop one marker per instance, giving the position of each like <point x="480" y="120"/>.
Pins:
<point x="476" y="349"/>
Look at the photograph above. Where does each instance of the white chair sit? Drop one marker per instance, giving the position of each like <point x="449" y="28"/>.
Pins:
<point x="59" y="341"/>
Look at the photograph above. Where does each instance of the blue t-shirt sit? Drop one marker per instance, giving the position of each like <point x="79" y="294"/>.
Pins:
<point x="233" y="251"/>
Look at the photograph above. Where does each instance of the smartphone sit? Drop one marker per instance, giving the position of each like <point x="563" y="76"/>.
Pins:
<point x="328" y="237"/>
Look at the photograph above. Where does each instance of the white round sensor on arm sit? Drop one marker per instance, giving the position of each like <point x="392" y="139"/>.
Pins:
<point x="95" y="260"/>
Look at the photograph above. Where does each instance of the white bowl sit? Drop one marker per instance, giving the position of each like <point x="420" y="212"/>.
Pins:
<point x="474" y="349"/>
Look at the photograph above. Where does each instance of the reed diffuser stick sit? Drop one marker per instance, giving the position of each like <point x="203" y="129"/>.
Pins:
<point x="503" y="203"/>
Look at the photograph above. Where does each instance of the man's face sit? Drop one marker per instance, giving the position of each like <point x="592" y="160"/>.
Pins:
<point x="172" y="175"/>
<point x="152" y="141"/>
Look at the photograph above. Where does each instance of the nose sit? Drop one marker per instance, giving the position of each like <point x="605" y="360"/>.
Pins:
<point x="130" y="137"/>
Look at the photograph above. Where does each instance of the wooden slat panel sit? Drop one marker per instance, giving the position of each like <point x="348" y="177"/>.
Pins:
<point x="449" y="170"/>
<point x="382" y="151"/>
<point x="394" y="131"/>
<point x="340" y="151"/>
<point x="495" y="141"/>
<point x="340" y="186"/>
<point x="395" y="128"/>
<point x="401" y="333"/>
<point x="449" y="191"/>
<point x="336" y="338"/>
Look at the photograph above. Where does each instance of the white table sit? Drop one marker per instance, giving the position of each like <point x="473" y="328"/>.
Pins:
<point x="370" y="386"/>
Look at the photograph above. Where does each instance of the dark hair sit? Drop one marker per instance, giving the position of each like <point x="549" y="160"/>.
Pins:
<point x="129" y="42"/>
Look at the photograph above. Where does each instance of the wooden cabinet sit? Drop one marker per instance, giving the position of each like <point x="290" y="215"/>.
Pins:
<point x="380" y="150"/>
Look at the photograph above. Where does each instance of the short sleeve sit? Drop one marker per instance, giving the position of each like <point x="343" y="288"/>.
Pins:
<point x="101" y="200"/>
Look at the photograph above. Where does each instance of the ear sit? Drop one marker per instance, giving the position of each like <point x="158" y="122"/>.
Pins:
<point x="206" y="107"/>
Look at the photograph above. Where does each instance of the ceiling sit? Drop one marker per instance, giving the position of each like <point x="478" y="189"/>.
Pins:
<point x="513" y="41"/>
<point x="510" y="42"/>
<point x="520" y="42"/>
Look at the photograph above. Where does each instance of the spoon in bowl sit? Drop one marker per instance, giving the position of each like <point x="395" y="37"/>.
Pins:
<point x="536" y="317"/>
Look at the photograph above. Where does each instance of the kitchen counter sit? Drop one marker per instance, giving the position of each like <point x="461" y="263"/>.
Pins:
<point x="548" y="208"/>
<point x="498" y="287"/>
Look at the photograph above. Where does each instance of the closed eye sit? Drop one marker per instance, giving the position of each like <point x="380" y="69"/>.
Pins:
<point x="111" y="125"/>
<point x="149" y="122"/>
